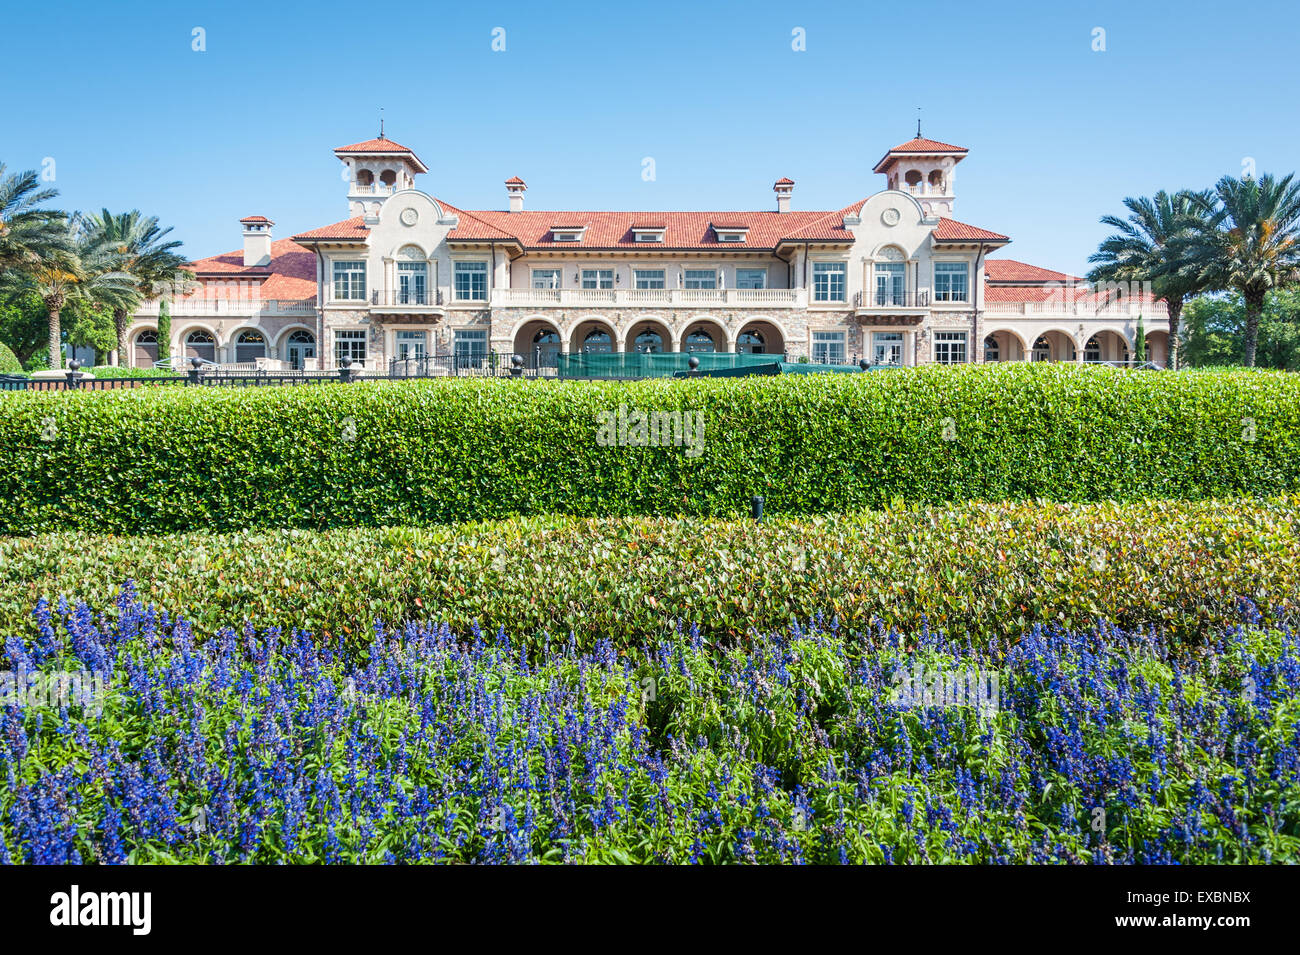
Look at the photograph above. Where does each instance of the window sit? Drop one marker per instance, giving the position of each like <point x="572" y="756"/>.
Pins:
<point x="546" y="278"/>
<point x="950" y="348"/>
<point x="750" y="343"/>
<point x="1042" y="349"/>
<point x="950" y="281"/>
<point x="470" y="346"/>
<point x="731" y="237"/>
<point x="828" y="348"/>
<point x="349" y="281"/>
<point x="828" y="281"/>
<point x="597" y="278"/>
<point x="649" y="340"/>
<point x="250" y="346"/>
<point x="471" y="281"/>
<point x="991" y="350"/>
<point x="700" y="340"/>
<point x="561" y="233"/>
<point x="890" y="283"/>
<point x="597" y="342"/>
<point x="1092" y="350"/>
<point x="651" y="236"/>
<point x="648" y="278"/>
<point x="751" y="278"/>
<point x="412" y="283"/>
<point x="700" y="278"/>
<point x="350" y="344"/>
<point x="411" y="344"/>
<point x="887" y="348"/>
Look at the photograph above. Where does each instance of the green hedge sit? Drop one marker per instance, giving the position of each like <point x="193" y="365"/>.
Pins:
<point x="400" y="453"/>
<point x="986" y="570"/>
<point x="9" y="363"/>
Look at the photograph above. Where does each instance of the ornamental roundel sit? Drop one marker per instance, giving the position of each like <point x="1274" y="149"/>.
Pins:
<point x="410" y="216"/>
<point x="890" y="216"/>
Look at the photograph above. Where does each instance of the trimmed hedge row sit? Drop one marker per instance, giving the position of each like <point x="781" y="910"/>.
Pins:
<point x="985" y="570"/>
<point x="402" y="453"/>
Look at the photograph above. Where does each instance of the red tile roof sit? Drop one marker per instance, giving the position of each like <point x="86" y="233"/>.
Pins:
<point x="349" y="230"/>
<point x="257" y="219"/>
<point x="1010" y="270"/>
<point x="291" y="274"/>
<point x="784" y="181"/>
<point x="375" y="146"/>
<point x="514" y="181"/>
<point x="950" y="230"/>
<point x="683" y="230"/>
<point x="919" y="146"/>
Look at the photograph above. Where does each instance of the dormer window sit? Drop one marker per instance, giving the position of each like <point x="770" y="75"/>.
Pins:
<point x="568" y="233"/>
<point x="648" y="232"/>
<point x="731" y="231"/>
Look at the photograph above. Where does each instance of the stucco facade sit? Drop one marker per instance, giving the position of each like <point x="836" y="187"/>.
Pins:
<point x="892" y="278"/>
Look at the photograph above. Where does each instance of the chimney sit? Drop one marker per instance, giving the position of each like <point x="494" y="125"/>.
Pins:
<point x="257" y="240"/>
<point x="516" y="188"/>
<point x="783" y="188"/>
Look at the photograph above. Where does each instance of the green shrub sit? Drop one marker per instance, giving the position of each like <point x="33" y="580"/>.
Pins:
<point x="384" y="453"/>
<point x="984" y="570"/>
<point x="9" y="363"/>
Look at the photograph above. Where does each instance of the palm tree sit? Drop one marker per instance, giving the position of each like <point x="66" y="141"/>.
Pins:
<point x="27" y="233"/>
<point x="81" y="268"/>
<point x="1145" y="249"/>
<point x="137" y="243"/>
<point x="1249" y="241"/>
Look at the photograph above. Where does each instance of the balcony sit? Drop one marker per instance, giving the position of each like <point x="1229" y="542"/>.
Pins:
<point x="650" y="297"/>
<point x="880" y="302"/>
<point x="236" y="307"/>
<point x="1059" y="309"/>
<point x="407" y="301"/>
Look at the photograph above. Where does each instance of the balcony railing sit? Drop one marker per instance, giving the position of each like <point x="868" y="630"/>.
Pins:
<point x="652" y="297"/>
<point x="1050" y="309"/>
<point x="409" y="298"/>
<point x="243" y="308"/>
<point x="371" y="189"/>
<point x="890" y="299"/>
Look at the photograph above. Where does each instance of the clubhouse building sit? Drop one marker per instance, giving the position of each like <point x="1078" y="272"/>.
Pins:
<point x="892" y="278"/>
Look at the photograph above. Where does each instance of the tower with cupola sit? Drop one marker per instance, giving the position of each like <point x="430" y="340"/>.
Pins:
<point x="925" y="169"/>
<point x="374" y="170"/>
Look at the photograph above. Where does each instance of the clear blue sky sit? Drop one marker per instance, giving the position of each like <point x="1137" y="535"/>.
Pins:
<point x="1058" y="133"/>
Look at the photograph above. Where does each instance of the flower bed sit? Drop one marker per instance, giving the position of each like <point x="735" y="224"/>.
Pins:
<point x="1101" y="746"/>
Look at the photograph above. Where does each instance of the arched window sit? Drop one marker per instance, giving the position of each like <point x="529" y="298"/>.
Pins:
<point x="700" y="340"/>
<point x="1042" y="349"/>
<point x="913" y="179"/>
<point x="146" y="348"/>
<point x="936" y="178"/>
<point x="147" y="337"/>
<point x="991" y="350"/>
<point x="597" y="342"/>
<point x="388" y="177"/>
<point x="648" y="341"/>
<point x="750" y="343"/>
<point x="201" y="344"/>
<point x="1092" y="350"/>
<point x="249" y="346"/>
<point x="298" y="347"/>
<point x="365" y="177"/>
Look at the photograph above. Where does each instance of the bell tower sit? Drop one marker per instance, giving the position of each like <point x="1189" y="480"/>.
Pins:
<point x="374" y="170"/>
<point x="925" y="169"/>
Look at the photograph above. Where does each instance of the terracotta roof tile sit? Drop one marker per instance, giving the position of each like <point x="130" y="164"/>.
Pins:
<point x="950" y="230"/>
<point x="291" y="274"/>
<point x="1010" y="270"/>
<point x="349" y="230"/>
<point x="375" y="146"/>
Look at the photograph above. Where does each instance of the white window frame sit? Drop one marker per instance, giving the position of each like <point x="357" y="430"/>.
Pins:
<point x="348" y="267"/>
<point x="556" y="273"/>
<point x="839" y="268"/>
<point x="352" y="337"/>
<point x="828" y="347"/>
<point x="596" y="271"/>
<point x="410" y="340"/>
<point x="947" y="294"/>
<point x="485" y="271"/>
<point x="687" y="280"/>
<point x="761" y="271"/>
<point x="642" y="275"/>
<point x="949" y="340"/>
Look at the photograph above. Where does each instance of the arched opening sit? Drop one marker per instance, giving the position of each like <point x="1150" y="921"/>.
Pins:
<point x="760" y="338"/>
<point x="593" y="338"/>
<point x="538" y="342"/>
<point x="299" y="346"/>
<point x="913" y="179"/>
<point x="388" y="177"/>
<point x="704" y="337"/>
<point x="250" y="346"/>
<point x="649" y="338"/>
<point x="1107" y="347"/>
<point x="1003" y="345"/>
<point x="365" y="177"/>
<point x="1053" y="346"/>
<point x="201" y="344"/>
<point x="146" y="348"/>
<point x="936" y="178"/>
